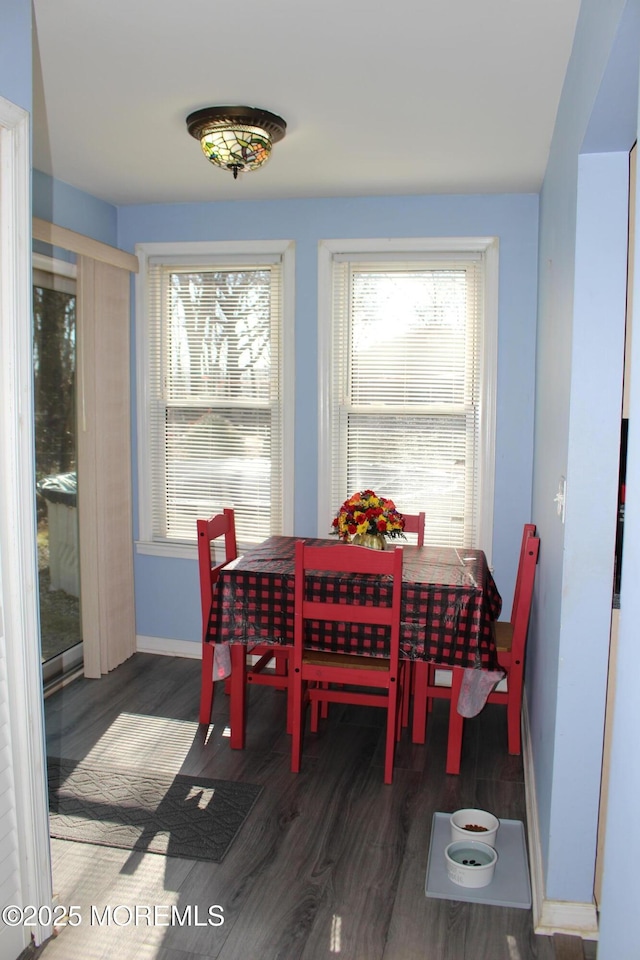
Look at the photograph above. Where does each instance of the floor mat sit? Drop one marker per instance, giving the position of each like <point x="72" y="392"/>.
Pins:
<point x="181" y="816"/>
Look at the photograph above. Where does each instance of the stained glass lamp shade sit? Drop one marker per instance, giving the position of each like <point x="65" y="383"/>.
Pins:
<point x="236" y="138"/>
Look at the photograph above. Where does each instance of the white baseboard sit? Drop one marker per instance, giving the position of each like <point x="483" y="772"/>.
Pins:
<point x="168" y="647"/>
<point x="175" y="648"/>
<point x="549" y="916"/>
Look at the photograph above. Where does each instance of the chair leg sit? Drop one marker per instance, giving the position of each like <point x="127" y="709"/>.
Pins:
<point x="456" y="724"/>
<point x="316" y="706"/>
<point x="420" y="674"/>
<point x="514" y="708"/>
<point x="513" y="730"/>
<point x="319" y="708"/>
<point x="392" y="726"/>
<point x="431" y="679"/>
<point x="404" y="679"/>
<point x="238" y="697"/>
<point x="287" y="666"/>
<point x="206" y="684"/>
<point x="405" y="698"/>
<point x="297" y="722"/>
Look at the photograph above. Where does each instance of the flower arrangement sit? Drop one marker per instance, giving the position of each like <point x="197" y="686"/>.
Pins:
<point x="367" y="513"/>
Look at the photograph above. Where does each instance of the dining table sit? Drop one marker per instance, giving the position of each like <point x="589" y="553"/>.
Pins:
<point x="449" y="602"/>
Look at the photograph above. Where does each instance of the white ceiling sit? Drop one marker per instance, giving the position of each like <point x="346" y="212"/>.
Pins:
<point x="420" y="96"/>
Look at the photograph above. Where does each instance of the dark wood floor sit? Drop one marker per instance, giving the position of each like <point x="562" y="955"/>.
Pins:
<point x="330" y="861"/>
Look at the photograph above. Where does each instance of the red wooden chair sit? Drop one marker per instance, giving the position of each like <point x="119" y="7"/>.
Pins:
<point x="414" y="523"/>
<point x="314" y="672"/>
<point x="510" y="638"/>
<point x="223" y="525"/>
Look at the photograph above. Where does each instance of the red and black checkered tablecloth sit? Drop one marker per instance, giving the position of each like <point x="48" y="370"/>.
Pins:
<point x="449" y="599"/>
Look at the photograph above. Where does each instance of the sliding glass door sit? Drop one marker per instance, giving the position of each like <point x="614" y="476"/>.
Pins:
<point x="54" y="364"/>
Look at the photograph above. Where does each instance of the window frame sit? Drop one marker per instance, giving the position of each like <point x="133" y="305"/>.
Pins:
<point x="216" y="253"/>
<point x="413" y="248"/>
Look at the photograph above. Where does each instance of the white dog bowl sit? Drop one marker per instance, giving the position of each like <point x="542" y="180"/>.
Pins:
<point x="473" y="824"/>
<point x="470" y="863"/>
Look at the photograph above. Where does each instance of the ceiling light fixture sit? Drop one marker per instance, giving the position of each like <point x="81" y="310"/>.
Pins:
<point x="237" y="138"/>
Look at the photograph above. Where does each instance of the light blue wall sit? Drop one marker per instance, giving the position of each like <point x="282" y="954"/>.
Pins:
<point x="582" y="286"/>
<point x="15" y="53"/>
<point x="69" y="207"/>
<point x="163" y="610"/>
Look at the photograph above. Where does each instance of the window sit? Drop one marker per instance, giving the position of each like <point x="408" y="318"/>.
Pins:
<point x="213" y="412"/>
<point x="408" y="350"/>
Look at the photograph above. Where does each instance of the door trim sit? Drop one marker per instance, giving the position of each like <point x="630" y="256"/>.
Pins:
<point x="18" y="574"/>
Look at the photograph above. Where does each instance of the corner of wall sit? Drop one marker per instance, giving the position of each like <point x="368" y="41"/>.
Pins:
<point x="549" y="916"/>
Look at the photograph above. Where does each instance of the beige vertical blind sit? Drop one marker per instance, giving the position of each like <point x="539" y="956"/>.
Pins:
<point x="104" y="445"/>
<point x="215" y="395"/>
<point x="405" y="387"/>
<point x="104" y="466"/>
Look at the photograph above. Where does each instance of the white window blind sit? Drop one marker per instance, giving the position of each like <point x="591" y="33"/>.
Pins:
<point x="214" y="394"/>
<point x="405" y="387"/>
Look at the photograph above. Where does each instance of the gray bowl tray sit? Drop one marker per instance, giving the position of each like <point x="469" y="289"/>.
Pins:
<point x="510" y="887"/>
